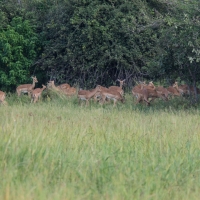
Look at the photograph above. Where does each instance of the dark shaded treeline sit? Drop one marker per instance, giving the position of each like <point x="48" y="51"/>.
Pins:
<point x="91" y="42"/>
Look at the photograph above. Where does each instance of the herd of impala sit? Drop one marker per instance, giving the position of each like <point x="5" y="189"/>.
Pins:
<point x="143" y="92"/>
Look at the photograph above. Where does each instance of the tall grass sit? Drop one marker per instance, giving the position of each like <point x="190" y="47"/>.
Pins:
<point x="57" y="149"/>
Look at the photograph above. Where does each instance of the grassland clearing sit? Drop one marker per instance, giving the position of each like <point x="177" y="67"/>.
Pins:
<point x="59" y="150"/>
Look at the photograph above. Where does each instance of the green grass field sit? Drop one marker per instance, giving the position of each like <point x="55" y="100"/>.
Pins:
<point x="59" y="150"/>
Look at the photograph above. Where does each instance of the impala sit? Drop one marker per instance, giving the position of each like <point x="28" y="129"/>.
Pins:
<point x="137" y="90"/>
<point x="2" y="97"/>
<point x="183" y="89"/>
<point x="36" y="94"/>
<point x="163" y="91"/>
<point x="173" y="90"/>
<point x="142" y="96"/>
<point x="154" y="93"/>
<point x="97" y="96"/>
<point x="64" y="86"/>
<point x="160" y="90"/>
<point x="69" y="91"/>
<point x="51" y="84"/>
<point x="87" y="95"/>
<point x="60" y="88"/>
<point x="118" y="88"/>
<point x="151" y="85"/>
<point x="111" y="94"/>
<point x="144" y="92"/>
<point x="186" y="90"/>
<point x="26" y="88"/>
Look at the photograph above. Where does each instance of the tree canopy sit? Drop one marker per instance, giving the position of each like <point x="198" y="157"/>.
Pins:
<point x="93" y="42"/>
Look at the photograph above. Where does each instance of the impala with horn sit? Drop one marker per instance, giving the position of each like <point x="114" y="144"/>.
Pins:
<point x="26" y="88"/>
<point x="118" y="88"/>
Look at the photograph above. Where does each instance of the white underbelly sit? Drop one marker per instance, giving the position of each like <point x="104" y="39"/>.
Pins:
<point x="109" y="97"/>
<point x="83" y="98"/>
<point x="24" y="91"/>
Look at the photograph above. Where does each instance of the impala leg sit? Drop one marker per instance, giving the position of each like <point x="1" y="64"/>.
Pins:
<point x="87" y="102"/>
<point x="147" y="103"/>
<point x="95" y="98"/>
<point x="146" y="100"/>
<point x="39" y="97"/>
<point x="138" y="99"/>
<point x="35" y="99"/>
<point x="29" y="93"/>
<point x="115" y="101"/>
<point x="152" y="99"/>
<point x="107" y="100"/>
<point x="103" y="99"/>
<point x="166" y="97"/>
<point x="162" y="97"/>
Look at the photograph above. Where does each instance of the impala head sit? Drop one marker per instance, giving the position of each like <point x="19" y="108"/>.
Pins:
<point x="175" y="85"/>
<point x="176" y="82"/>
<point x="121" y="82"/>
<point x="50" y="84"/>
<point x="44" y="86"/>
<point x="98" y="88"/>
<point x="143" y="83"/>
<point x="34" y="79"/>
<point x="152" y="85"/>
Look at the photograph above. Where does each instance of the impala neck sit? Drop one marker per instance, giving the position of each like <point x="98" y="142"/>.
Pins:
<point x="53" y="85"/>
<point x="176" y="87"/>
<point x="42" y="89"/>
<point x="93" y="92"/>
<point x="33" y="84"/>
<point x="121" y="84"/>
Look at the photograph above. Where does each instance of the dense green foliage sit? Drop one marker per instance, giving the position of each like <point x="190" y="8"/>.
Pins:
<point x="17" y="51"/>
<point x="93" y="42"/>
